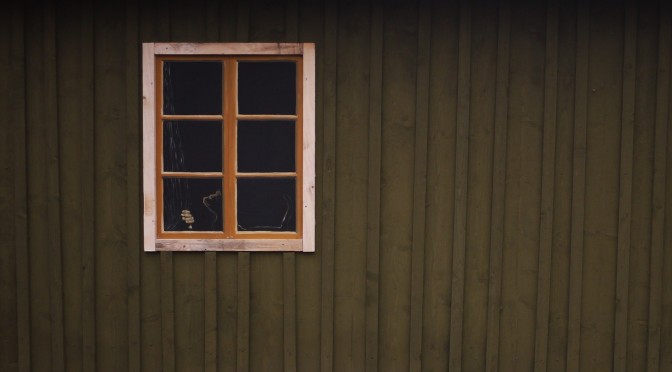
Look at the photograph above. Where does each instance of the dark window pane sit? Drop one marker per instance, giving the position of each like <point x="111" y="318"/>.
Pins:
<point x="192" y="146"/>
<point x="267" y="88"/>
<point x="266" y="146"/>
<point x="266" y="204"/>
<point x="192" y="88"/>
<point x="191" y="204"/>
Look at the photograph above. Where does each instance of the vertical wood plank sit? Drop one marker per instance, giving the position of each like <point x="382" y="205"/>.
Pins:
<point x="461" y="175"/>
<point x="659" y="185"/>
<point x="373" y="192"/>
<point x="17" y="116"/>
<point x="289" y="258"/>
<point x="498" y="189"/>
<point x="420" y="183"/>
<point x="87" y="94"/>
<point x="625" y="197"/>
<point x="578" y="190"/>
<point x="133" y="151"/>
<point x="50" y="105"/>
<point x="243" y="326"/>
<point x="328" y="184"/>
<point x="547" y="187"/>
<point x="8" y="316"/>
<point x="167" y="312"/>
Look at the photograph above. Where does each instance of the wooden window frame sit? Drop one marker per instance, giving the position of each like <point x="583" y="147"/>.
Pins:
<point x="303" y="239"/>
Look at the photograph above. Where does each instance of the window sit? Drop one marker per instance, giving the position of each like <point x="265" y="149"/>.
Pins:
<point x="229" y="146"/>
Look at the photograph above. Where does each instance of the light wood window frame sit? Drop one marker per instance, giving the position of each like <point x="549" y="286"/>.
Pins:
<point x="303" y="239"/>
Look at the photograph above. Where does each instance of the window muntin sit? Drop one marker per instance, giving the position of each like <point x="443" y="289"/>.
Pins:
<point x="245" y="199"/>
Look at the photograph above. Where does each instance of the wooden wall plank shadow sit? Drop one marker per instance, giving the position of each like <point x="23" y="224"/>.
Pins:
<point x="578" y="189"/>
<point x="602" y="186"/>
<point x="68" y="62"/>
<point x="420" y="183"/>
<point x="87" y="204"/>
<point x="110" y="188"/>
<point x="352" y="100"/>
<point x="329" y="64"/>
<point x="17" y="115"/>
<point x="372" y="299"/>
<point x="625" y="197"/>
<point x="440" y="184"/>
<point x="8" y="239"/>
<point x="400" y="40"/>
<point x="37" y="190"/>
<point x="642" y="185"/>
<point x="547" y="187"/>
<point x="133" y="184"/>
<point x="461" y="176"/>
<point x="310" y="28"/>
<point x="560" y="254"/>
<point x="482" y="116"/>
<point x="658" y="196"/>
<point x="501" y="106"/>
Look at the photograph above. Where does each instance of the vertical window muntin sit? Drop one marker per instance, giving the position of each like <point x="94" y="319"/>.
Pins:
<point x="229" y="174"/>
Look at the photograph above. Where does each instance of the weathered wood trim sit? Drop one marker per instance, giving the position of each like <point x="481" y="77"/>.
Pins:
<point x="625" y="198"/>
<point x="659" y="185"/>
<point x="578" y="188"/>
<point x="373" y="191"/>
<point x="547" y="188"/>
<point x="229" y="48"/>
<point x="498" y="189"/>
<point x="148" y="146"/>
<point x="329" y="184"/>
<point x="461" y="178"/>
<point x="309" y="86"/>
<point x="420" y="184"/>
<point x="242" y="245"/>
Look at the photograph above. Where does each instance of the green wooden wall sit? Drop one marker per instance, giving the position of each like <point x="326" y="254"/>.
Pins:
<point x="493" y="193"/>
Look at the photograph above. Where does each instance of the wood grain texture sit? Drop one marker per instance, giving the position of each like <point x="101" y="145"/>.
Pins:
<point x="373" y="187"/>
<point x="17" y="115"/>
<point x="420" y="183"/>
<point x="658" y="196"/>
<point x="578" y="190"/>
<point x="547" y="187"/>
<point x="461" y="175"/>
<point x="328" y="185"/>
<point x="498" y="190"/>
<point x="625" y="197"/>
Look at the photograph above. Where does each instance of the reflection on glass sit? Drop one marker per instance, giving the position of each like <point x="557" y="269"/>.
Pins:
<point x="192" y="87"/>
<point x="267" y="87"/>
<point x="266" y="204"/>
<point x="192" y="146"/>
<point x="191" y="204"/>
<point x="266" y="146"/>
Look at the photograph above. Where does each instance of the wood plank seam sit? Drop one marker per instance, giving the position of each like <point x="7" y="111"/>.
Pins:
<point x="578" y="189"/>
<point x="498" y="190"/>
<point x="420" y="184"/>
<point x="461" y="175"/>
<point x="625" y="197"/>
<point x="547" y="188"/>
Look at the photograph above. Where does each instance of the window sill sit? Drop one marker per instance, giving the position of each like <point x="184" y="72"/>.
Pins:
<point x="234" y="245"/>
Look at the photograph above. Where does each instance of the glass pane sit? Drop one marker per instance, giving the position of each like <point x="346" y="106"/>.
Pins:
<point x="192" y="88"/>
<point x="191" y="204"/>
<point x="266" y="146"/>
<point x="266" y="204"/>
<point x="192" y="146"/>
<point x="267" y="88"/>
